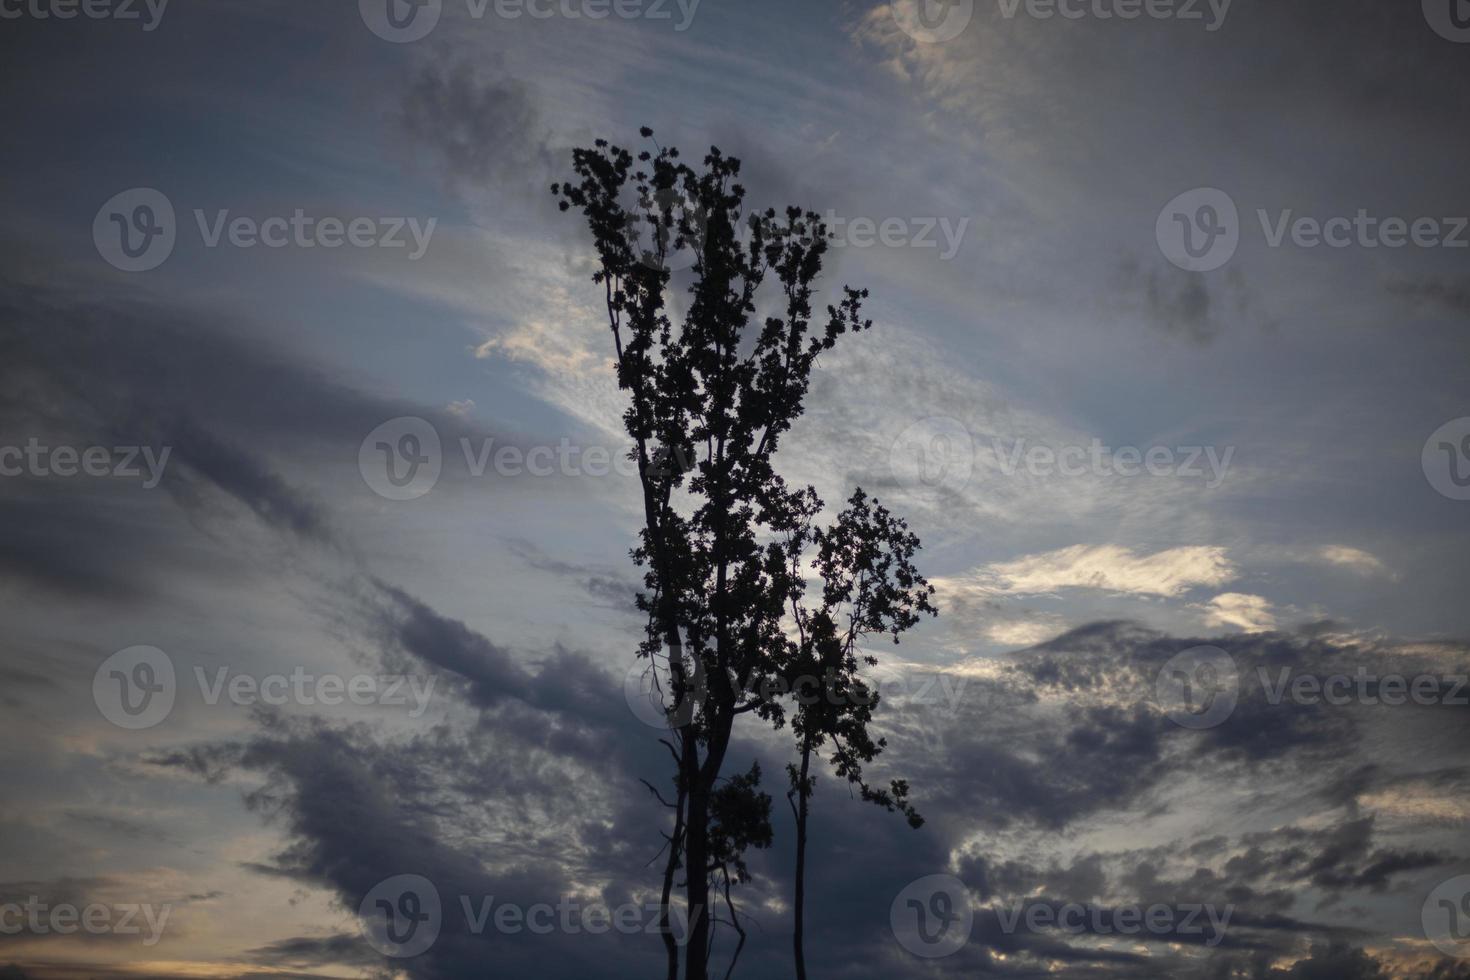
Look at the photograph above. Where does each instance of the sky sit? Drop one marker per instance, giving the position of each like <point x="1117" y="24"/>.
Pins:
<point x="316" y="529"/>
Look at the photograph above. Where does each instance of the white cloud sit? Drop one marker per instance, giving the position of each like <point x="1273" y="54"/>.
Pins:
<point x="1024" y="632"/>
<point x="1251" y="613"/>
<point x="1112" y="568"/>
<point x="1352" y="558"/>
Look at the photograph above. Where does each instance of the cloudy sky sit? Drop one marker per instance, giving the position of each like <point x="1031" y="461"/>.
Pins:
<point x="1168" y="371"/>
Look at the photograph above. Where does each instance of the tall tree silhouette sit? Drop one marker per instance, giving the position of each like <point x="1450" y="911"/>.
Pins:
<point x="868" y="578"/>
<point x="723" y="536"/>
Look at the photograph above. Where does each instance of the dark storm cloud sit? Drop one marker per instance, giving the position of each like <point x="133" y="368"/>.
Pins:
<point x="481" y="124"/>
<point x="492" y="673"/>
<point x="971" y="773"/>
<point x="359" y="810"/>
<point x="458" y="809"/>
<point x="247" y="478"/>
<point x="1124" y="657"/>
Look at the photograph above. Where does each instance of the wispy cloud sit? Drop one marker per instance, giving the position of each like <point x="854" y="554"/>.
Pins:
<point x="1109" y="568"/>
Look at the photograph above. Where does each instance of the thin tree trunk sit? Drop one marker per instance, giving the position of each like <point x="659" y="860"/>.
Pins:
<point x="803" y="794"/>
<point x="696" y="869"/>
<point x="696" y="958"/>
<point x="676" y="848"/>
<point x="739" y="929"/>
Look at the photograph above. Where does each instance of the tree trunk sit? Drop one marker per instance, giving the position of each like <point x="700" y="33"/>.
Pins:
<point x="676" y="848"/>
<point x="803" y="794"/>
<point x="696" y="868"/>
<point x="696" y="957"/>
